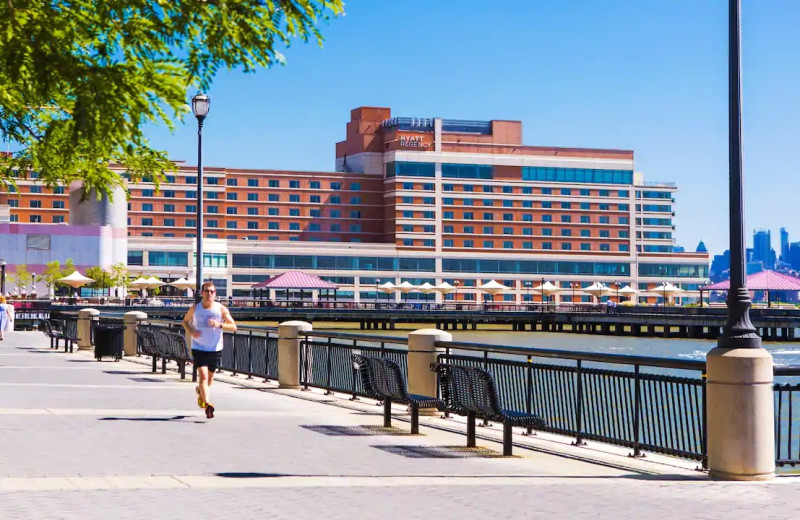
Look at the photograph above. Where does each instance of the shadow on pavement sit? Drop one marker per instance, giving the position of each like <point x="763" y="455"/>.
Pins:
<point x="176" y="418"/>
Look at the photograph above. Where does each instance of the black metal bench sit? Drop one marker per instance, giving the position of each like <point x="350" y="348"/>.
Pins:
<point x="171" y="346"/>
<point x="384" y="381"/>
<point x="56" y="330"/>
<point x="146" y="344"/>
<point x="52" y="329"/>
<point x="473" y="392"/>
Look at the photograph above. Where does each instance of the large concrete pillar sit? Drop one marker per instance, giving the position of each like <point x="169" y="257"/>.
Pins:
<point x="131" y="320"/>
<point x="741" y="415"/>
<point x="289" y="339"/>
<point x="422" y="352"/>
<point x="85" y="328"/>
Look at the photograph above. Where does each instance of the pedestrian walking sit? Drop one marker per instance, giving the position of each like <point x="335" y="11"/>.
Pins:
<point x="205" y="322"/>
<point x="6" y="316"/>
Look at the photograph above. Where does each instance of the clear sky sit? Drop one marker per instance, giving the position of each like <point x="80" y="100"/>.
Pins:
<point x="648" y="76"/>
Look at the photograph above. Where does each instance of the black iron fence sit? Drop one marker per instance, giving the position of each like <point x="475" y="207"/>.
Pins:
<point x="787" y="416"/>
<point x="326" y="359"/>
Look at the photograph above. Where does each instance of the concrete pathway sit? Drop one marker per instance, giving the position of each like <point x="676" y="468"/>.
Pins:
<point x="85" y="439"/>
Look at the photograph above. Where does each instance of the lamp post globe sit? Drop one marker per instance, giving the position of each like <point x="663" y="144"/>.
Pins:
<point x="201" y="104"/>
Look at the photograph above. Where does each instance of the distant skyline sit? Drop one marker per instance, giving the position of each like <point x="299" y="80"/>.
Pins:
<point x="644" y="76"/>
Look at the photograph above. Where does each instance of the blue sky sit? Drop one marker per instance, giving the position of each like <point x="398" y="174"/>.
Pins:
<point x="644" y="76"/>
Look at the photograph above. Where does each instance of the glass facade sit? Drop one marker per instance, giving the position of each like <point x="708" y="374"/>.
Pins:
<point x="589" y="175"/>
<point x="674" y="270"/>
<point x="534" y="267"/>
<point x="168" y="258"/>
<point x="345" y="263"/>
<point x="409" y="169"/>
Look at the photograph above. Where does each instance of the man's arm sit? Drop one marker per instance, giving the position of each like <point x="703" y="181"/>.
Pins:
<point x="187" y="321"/>
<point x="228" y="325"/>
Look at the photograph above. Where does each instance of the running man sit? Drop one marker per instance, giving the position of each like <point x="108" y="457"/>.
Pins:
<point x="206" y="321"/>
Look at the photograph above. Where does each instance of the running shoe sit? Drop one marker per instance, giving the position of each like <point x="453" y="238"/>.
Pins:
<point x="209" y="411"/>
<point x="200" y="402"/>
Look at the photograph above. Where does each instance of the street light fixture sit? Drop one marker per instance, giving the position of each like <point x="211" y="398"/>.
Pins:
<point x="455" y="294"/>
<point x="573" y="285"/>
<point x="2" y="277"/>
<point x="200" y="106"/>
<point x="528" y="292"/>
<point x="542" y="287"/>
<point x="616" y="286"/>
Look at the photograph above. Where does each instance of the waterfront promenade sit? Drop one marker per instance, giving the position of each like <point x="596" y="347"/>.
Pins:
<point x="82" y="439"/>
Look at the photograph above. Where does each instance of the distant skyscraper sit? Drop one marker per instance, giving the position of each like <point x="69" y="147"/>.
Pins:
<point x="784" y="245"/>
<point x="762" y="249"/>
<point x="701" y="248"/>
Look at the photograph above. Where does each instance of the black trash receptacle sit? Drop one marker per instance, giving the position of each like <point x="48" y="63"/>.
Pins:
<point x="109" y="340"/>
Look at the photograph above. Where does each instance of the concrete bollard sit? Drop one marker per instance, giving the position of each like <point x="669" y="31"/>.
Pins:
<point x="289" y="339"/>
<point x="422" y="353"/>
<point x="741" y="414"/>
<point x="131" y="320"/>
<point x="85" y="317"/>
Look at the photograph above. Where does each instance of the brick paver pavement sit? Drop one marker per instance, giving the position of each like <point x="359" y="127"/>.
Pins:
<point x="82" y="439"/>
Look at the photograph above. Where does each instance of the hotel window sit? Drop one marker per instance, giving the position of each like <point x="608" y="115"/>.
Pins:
<point x="170" y="194"/>
<point x="212" y="223"/>
<point x="488" y="230"/>
<point x="547" y="245"/>
<point x="468" y="202"/>
<point x="314" y="213"/>
<point x="488" y="216"/>
<point x="273" y="197"/>
<point x="294" y="184"/>
<point x="604" y="193"/>
<point x="408" y="214"/>
<point x="603" y="207"/>
<point x="448" y="229"/>
<point x="508" y="231"/>
<point x="274" y="238"/>
<point x="428" y="187"/>
<point x="468" y="215"/>
<point x="585" y="193"/>
<point x="35" y="204"/>
<point x="508" y="203"/>
<point x="190" y="194"/>
<point x="355" y="186"/>
<point x="294" y="198"/>
<point x="191" y="180"/>
<point x="428" y="200"/>
<point x="408" y="185"/>
<point x="14" y="218"/>
<point x="252" y="224"/>
<point x="566" y="205"/>
<point x="314" y="199"/>
<point x="448" y="187"/>
<point x="355" y="228"/>
<point x="508" y="244"/>
<point x="147" y="207"/>
<point x="547" y="191"/>
<point x="469" y="230"/>
<point x="335" y="213"/>
<point x="488" y="189"/>
<point x="58" y="190"/>
<point x="14" y="203"/>
<point x="273" y="225"/>
<point x="527" y="245"/>
<point x="604" y="220"/>
<point x="314" y="185"/>
<point x="508" y="189"/>
<point x="624" y="207"/>
<point x="355" y="214"/>
<point x="169" y="208"/>
<point x="58" y="204"/>
<point x="547" y="232"/>
<point x="566" y="218"/>
<point x="58" y="219"/>
<point x="585" y="219"/>
<point x="566" y="246"/>
<point x="527" y="190"/>
<point x="623" y="193"/>
<point x="294" y="212"/>
<point x="212" y="180"/>
<point x="36" y="219"/>
<point x="566" y="232"/>
<point x="273" y="212"/>
<point x="147" y="222"/>
<point x="586" y="206"/>
<point x="355" y="200"/>
<point x="527" y="231"/>
<point x="527" y="203"/>
<point x="408" y="228"/>
<point x="314" y="227"/>
<point x="447" y="201"/>
<point x="428" y="214"/>
<point x="467" y="187"/>
<point x="231" y="182"/>
<point x="469" y="243"/>
<point x="212" y="195"/>
<point x="586" y="247"/>
<point x="231" y="210"/>
<point x="189" y="235"/>
<point x="408" y="200"/>
<point x="190" y="222"/>
<point x="36" y="189"/>
<point x="604" y="247"/>
<point x="148" y="193"/>
<point x="547" y="218"/>
<point x="336" y="199"/>
<point x="272" y="184"/>
<point x="566" y="191"/>
<point x="586" y="233"/>
<point x="231" y="196"/>
<point x="603" y="233"/>
<point x="212" y="209"/>
<point x="169" y="222"/>
<point x="624" y="234"/>
<point x="448" y="242"/>
<point x="488" y="202"/>
<point x="527" y="217"/>
<point x="624" y="247"/>
<point x="252" y="211"/>
<point x="252" y="237"/>
<point x="448" y="215"/>
<point x="547" y="205"/>
<point x="624" y="220"/>
<point x="336" y="185"/>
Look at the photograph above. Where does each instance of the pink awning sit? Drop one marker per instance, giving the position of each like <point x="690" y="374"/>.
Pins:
<point x="763" y="281"/>
<point x="295" y="280"/>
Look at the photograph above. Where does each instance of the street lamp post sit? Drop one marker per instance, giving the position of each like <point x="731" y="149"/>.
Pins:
<point x="2" y="277"/>
<point x="572" y="286"/>
<point x="200" y="106"/>
<point x="377" y="293"/>
<point x="542" y="287"/>
<point x="616" y="286"/>
<point x="528" y="292"/>
<point x="455" y="294"/>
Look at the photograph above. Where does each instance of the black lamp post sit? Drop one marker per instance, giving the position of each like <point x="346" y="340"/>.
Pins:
<point x="528" y="292"/>
<point x="616" y="286"/>
<point x="2" y="277"/>
<point x="455" y="295"/>
<point x="542" y="287"/>
<point x="572" y="286"/>
<point x="738" y="331"/>
<point x="200" y="106"/>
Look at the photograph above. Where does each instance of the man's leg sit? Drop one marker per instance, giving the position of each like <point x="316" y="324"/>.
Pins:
<point x="202" y="379"/>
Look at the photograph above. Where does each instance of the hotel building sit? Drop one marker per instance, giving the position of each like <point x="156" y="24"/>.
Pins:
<point x="417" y="199"/>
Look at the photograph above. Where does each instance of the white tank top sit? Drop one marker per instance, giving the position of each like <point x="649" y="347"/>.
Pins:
<point x="210" y="339"/>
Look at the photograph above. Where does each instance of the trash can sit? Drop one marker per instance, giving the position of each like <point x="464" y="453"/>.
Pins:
<point x="109" y="340"/>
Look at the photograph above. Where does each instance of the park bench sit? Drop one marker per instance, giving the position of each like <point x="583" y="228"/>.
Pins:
<point x="146" y="344"/>
<point x="52" y="329"/>
<point x="473" y="392"/>
<point x="383" y="380"/>
<point x="56" y="330"/>
<point x="171" y="346"/>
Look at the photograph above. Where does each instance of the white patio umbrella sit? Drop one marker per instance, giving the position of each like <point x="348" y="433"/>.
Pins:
<point x="405" y="287"/>
<point x="627" y="291"/>
<point x="139" y="283"/>
<point x="548" y="289"/>
<point x="597" y="290"/>
<point x="75" y="280"/>
<point x="492" y="287"/>
<point x="426" y="288"/>
<point x="153" y="282"/>
<point x="445" y="288"/>
<point x="182" y="284"/>
<point x="667" y="290"/>
<point x="387" y="287"/>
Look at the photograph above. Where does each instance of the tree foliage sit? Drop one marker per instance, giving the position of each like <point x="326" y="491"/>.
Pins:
<point x="79" y="78"/>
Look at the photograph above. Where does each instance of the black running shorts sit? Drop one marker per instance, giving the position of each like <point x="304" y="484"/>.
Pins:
<point x="204" y="358"/>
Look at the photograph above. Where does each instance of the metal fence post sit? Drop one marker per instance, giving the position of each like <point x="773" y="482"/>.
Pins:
<point x="579" y="406"/>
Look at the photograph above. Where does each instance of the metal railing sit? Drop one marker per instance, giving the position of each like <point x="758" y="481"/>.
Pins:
<point x="787" y="416"/>
<point x="655" y="410"/>
<point x="326" y="359"/>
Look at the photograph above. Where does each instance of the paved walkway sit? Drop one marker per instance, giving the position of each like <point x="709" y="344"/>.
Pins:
<point x="81" y="439"/>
